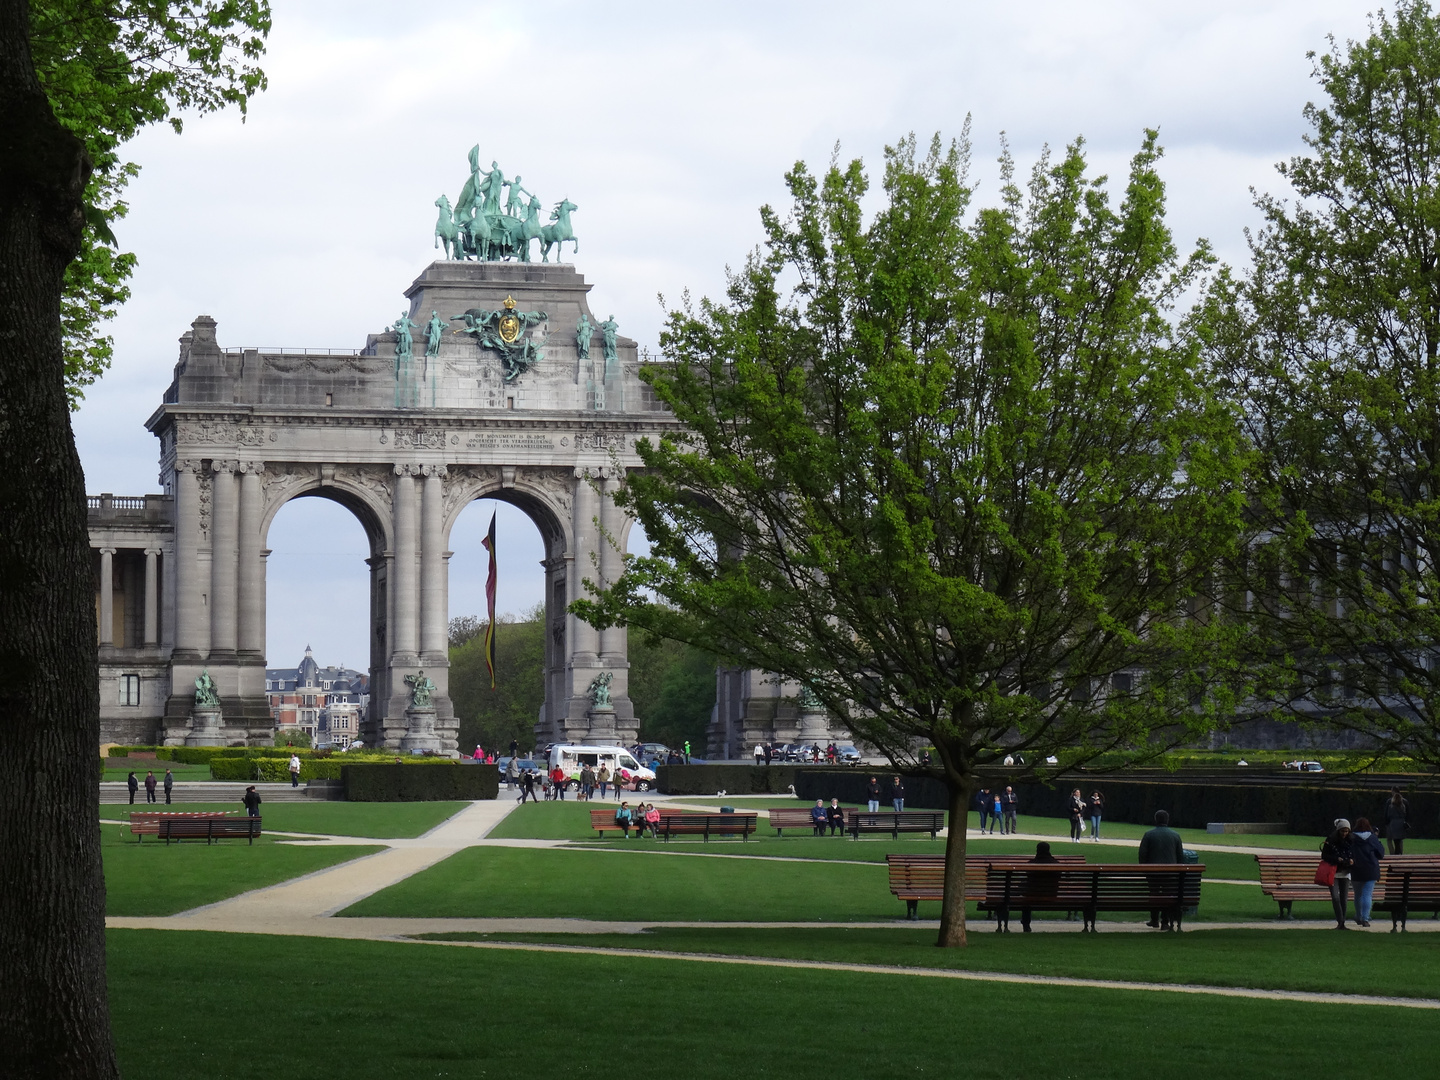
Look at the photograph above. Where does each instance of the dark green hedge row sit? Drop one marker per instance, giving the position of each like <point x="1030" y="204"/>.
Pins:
<point x="273" y="769"/>
<point x="1306" y="809"/>
<point x="731" y="779"/>
<point x="402" y="783"/>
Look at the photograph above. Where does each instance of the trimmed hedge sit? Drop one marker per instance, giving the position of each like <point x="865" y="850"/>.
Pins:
<point x="404" y="783"/>
<point x="272" y="769"/>
<point x="732" y="779"/>
<point x="1307" y="809"/>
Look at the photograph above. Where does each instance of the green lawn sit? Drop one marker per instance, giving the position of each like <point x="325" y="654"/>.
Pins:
<point x="369" y="1009"/>
<point x="385" y="821"/>
<point x="1308" y="960"/>
<point x="155" y="879"/>
<point x="635" y="886"/>
<point x="120" y="768"/>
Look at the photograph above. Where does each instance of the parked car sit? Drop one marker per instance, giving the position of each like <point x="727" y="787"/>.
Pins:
<point x="524" y="764"/>
<point x="651" y="753"/>
<point x="1305" y="766"/>
<point x="848" y="754"/>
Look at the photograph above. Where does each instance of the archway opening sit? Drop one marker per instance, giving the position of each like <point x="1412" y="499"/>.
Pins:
<point x="671" y="684"/>
<point x="319" y="622"/>
<point x="494" y="718"/>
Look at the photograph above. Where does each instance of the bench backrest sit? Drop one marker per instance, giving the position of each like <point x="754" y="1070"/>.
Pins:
<point x="1290" y="869"/>
<point x="910" y="872"/>
<point x="235" y="826"/>
<point x="1410" y="883"/>
<point x="1111" y="885"/>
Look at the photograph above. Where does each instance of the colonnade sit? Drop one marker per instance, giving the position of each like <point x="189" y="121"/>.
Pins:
<point x="151" y="624"/>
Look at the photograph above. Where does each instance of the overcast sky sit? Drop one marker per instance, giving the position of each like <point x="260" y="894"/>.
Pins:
<point x="668" y="125"/>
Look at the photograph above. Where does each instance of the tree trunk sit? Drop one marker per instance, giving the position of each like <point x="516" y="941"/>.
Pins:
<point x="952" y="909"/>
<point x="53" y="1008"/>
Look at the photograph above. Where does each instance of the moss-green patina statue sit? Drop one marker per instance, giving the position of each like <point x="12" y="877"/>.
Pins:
<point x="477" y="228"/>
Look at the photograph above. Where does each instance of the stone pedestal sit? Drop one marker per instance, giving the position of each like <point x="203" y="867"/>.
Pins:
<point x="205" y="727"/>
<point x="420" y="731"/>
<point x="602" y="725"/>
<point x="814" y="727"/>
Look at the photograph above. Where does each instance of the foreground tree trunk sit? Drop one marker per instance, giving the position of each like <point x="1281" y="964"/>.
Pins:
<point x="54" y="1017"/>
<point x="952" y="909"/>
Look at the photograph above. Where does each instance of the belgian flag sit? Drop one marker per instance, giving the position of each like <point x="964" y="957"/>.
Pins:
<point x="489" y="543"/>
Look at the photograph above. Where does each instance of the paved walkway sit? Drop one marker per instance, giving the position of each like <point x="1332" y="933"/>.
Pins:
<point x="306" y="906"/>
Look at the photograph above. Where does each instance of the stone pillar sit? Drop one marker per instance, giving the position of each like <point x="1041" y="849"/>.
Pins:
<point x="152" y="598"/>
<point x="107" y="597"/>
<point x="584" y="638"/>
<point x="613" y="640"/>
<point x="252" y="562"/>
<point x="405" y="593"/>
<point x="434" y="603"/>
<point x="188" y="586"/>
<point x="224" y="560"/>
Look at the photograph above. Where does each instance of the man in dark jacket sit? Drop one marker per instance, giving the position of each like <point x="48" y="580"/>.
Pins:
<point x="897" y="794"/>
<point x="983" y="801"/>
<point x="872" y="793"/>
<point x="1161" y="844"/>
<point x="169" y="785"/>
<point x="1039" y="884"/>
<point x="251" y="801"/>
<point x="1010" y="806"/>
<point x="134" y="786"/>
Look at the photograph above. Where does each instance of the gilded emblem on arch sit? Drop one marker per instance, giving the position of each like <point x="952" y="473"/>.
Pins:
<point x="509" y="325"/>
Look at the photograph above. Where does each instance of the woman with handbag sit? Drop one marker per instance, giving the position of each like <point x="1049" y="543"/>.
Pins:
<point x="1336" y="862"/>
<point x="1077" y="815"/>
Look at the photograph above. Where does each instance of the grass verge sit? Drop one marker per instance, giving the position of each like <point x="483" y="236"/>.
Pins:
<point x="154" y="879"/>
<point x="381" y="1023"/>
<point x="383" y="821"/>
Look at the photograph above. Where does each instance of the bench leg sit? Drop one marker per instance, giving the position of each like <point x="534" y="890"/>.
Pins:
<point x="912" y="910"/>
<point x="1002" y="920"/>
<point x="1089" y="924"/>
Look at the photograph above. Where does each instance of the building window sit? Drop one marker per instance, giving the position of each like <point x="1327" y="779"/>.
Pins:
<point x="129" y="689"/>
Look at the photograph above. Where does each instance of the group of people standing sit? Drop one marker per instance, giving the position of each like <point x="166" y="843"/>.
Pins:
<point x="896" y="793"/>
<point x="1092" y="808"/>
<point x="1351" y="856"/>
<point x="150" y="785"/>
<point x="998" y="808"/>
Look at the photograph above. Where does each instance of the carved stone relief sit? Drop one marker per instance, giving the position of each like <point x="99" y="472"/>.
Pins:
<point x="220" y="433"/>
<point x="557" y="486"/>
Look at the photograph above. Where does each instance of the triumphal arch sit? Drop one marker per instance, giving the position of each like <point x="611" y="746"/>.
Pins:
<point x="496" y="380"/>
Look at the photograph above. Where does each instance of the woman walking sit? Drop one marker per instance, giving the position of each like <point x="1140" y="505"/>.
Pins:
<point x="1077" y="815"/>
<point x="1097" y="811"/>
<point x="1366" y="853"/>
<point x="1338" y="853"/>
<point x="1397" y="822"/>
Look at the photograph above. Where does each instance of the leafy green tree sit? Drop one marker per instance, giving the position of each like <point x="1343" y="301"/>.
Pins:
<point x="493" y="717"/>
<point x="1333" y="341"/>
<point x="672" y="686"/>
<point x="960" y="475"/>
<point x="108" y="70"/>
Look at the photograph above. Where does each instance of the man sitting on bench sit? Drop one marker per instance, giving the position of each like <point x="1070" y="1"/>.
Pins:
<point x="818" y="817"/>
<point x="835" y="814"/>
<point x="1039" y="884"/>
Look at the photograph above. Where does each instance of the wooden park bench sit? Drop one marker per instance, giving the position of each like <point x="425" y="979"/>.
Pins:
<point x="211" y="829"/>
<point x="697" y="823"/>
<point x="790" y="817"/>
<point x="922" y="877"/>
<point x="889" y="821"/>
<point x="603" y="821"/>
<point x="1092" y="888"/>
<point x="147" y="823"/>
<point x="1407" y="886"/>
<point x="1288" y="876"/>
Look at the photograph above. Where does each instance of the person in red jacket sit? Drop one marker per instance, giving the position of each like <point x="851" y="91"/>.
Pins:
<point x="557" y="781"/>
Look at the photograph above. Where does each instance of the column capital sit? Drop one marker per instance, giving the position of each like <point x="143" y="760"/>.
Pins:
<point x="219" y="465"/>
<point x="107" y="551"/>
<point x="154" y="551"/>
<point x="407" y="470"/>
<point x="189" y="465"/>
<point x="434" y="470"/>
<point x="253" y="468"/>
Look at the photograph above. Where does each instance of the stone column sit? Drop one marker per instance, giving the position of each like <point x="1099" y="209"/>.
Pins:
<point x="107" y="596"/>
<point x="434" y="603"/>
<point x="584" y="638"/>
<point x="188" y="586"/>
<point x="252" y="562"/>
<point x="612" y="524"/>
<point x="224" y="559"/>
<point x="152" y="598"/>
<point x="405" y="593"/>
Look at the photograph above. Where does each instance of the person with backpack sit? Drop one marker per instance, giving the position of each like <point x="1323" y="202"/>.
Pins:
<point x="1365" y="854"/>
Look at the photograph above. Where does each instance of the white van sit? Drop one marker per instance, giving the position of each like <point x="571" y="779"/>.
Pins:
<point x="572" y="758"/>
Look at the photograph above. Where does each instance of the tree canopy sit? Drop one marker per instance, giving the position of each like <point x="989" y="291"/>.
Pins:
<point x="109" y="69"/>
<point x="1332" y="341"/>
<point x="959" y="474"/>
